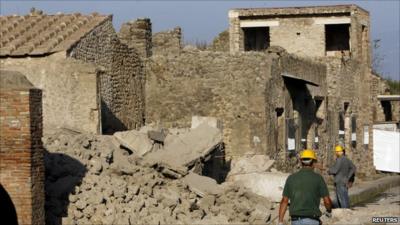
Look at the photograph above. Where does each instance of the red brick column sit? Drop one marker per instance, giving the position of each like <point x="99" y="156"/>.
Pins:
<point x="21" y="151"/>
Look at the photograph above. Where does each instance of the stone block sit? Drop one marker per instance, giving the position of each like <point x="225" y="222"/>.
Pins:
<point x="202" y="185"/>
<point x="250" y="164"/>
<point x="135" y="141"/>
<point x="184" y="151"/>
<point x="269" y="185"/>
<point x="211" y="121"/>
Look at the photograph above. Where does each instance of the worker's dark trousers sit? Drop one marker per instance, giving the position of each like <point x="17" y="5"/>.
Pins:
<point x="342" y="196"/>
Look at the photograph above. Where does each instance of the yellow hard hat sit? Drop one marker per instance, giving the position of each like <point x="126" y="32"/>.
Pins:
<point x="339" y="148"/>
<point x="308" y="154"/>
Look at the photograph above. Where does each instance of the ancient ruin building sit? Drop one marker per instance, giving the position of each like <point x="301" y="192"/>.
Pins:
<point x="306" y="31"/>
<point x="386" y="107"/>
<point x="21" y="152"/>
<point x="313" y="65"/>
<point x="337" y="36"/>
<point x="232" y="88"/>
<point x="91" y="81"/>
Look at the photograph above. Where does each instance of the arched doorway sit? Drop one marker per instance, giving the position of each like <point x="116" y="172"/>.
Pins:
<point x="7" y="207"/>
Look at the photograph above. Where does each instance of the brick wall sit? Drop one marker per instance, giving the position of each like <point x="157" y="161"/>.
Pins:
<point x="21" y="152"/>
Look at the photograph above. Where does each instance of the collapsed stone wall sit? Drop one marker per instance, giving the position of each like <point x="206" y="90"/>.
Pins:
<point x="21" y="154"/>
<point x="122" y="83"/>
<point x="91" y="180"/>
<point x="70" y="90"/>
<point x="203" y="83"/>
<point x="167" y="42"/>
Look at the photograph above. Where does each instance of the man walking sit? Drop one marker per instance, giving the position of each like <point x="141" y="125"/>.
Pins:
<point x="343" y="171"/>
<point x="304" y="189"/>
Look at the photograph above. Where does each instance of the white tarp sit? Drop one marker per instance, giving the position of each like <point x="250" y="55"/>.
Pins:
<point x="386" y="150"/>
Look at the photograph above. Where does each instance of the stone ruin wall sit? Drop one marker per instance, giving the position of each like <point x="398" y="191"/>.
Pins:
<point x="348" y="76"/>
<point x="70" y="90"/>
<point x="289" y="29"/>
<point x="138" y="35"/>
<point x="221" y="42"/>
<point x="167" y="42"/>
<point x="21" y="154"/>
<point x="350" y="82"/>
<point x="122" y="83"/>
<point x="303" y="34"/>
<point x="228" y="87"/>
<point x="280" y="105"/>
<point x="380" y="87"/>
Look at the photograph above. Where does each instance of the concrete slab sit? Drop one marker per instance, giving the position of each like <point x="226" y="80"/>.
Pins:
<point x="158" y="136"/>
<point x="186" y="149"/>
<point x="211" y="121"/>
<point x="202" y="185"/>
<point x="135" y="141"/>
<point x="267" y="184"/>
<point x="250" y="164"/>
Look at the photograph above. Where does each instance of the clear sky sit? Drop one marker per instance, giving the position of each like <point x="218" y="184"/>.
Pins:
<point x="203" y="20"/>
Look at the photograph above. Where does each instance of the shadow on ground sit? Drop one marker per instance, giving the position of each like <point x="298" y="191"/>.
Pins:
<point x="63" y="174"/>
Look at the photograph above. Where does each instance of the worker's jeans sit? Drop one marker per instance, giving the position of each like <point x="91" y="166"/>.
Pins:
<point x="342" y="196"/>
<point x="305" y="221"/>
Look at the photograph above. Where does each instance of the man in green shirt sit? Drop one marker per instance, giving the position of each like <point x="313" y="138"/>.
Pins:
<point x="304" y="189"/>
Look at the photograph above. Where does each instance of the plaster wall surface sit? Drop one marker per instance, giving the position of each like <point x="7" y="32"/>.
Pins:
<point x="301" y="30"/>
<point x="70" y="90"/>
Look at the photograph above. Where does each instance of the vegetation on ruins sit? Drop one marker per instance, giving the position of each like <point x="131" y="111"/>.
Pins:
<point x="394" y="86"/>
<point x="377" y="64"/>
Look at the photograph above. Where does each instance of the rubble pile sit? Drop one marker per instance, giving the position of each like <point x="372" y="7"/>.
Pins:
<point x="96" y="179"/>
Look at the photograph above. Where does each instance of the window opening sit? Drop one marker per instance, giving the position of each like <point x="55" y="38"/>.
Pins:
<point x="387" y="110"/>
<point x="337" y="37"/>
<point x="256" y="38"/>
